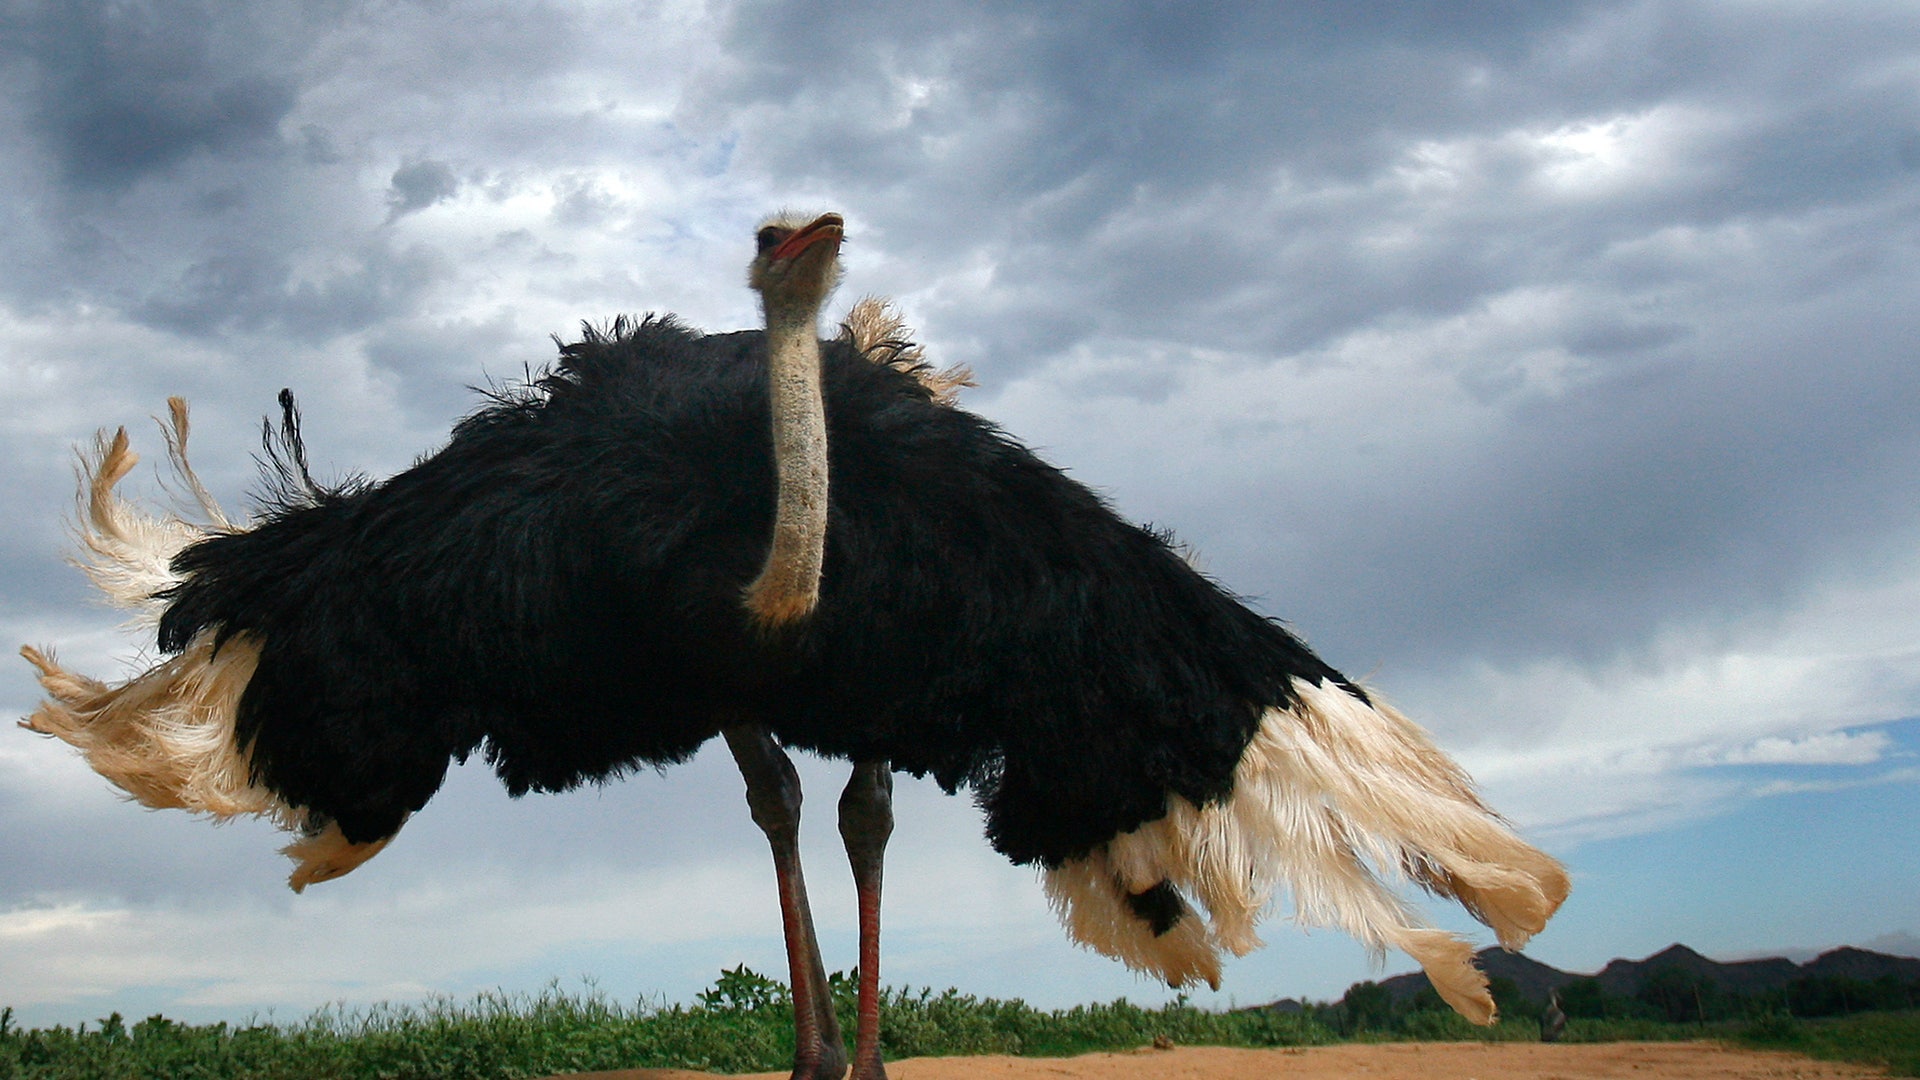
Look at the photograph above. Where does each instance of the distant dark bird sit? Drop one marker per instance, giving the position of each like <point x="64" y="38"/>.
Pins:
<point x="1553" y="1022"/>
<point x="792" y="543"/>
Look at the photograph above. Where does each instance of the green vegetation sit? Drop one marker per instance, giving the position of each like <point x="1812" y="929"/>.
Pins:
<point x="1889" y="1039"/>
<point x="743" y="1023"/>
<point x="1874" y="1022"/>
<point x="1679" y="996"/>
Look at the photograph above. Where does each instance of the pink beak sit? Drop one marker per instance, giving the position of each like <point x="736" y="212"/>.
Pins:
<point x="827" y="227"/>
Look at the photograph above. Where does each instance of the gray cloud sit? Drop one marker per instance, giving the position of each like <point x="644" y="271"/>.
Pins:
<point x="254" y="290"/>
<point x="122" y="91"/>
<point x="420" y="185"/>
<point x="1080" y="151"/>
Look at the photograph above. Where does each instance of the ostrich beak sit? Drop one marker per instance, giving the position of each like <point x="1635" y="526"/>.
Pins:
<point x="826" y="227"/>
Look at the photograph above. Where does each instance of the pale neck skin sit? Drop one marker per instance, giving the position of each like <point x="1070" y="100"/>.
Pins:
<point x="793" y="273"/>
<point x="788" y="587"/>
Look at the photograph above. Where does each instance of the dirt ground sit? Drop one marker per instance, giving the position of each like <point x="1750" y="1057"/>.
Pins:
<point x="1395" y="1061"/>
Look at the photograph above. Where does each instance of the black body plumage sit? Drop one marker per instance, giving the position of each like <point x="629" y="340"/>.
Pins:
<point x="560" y="588"/>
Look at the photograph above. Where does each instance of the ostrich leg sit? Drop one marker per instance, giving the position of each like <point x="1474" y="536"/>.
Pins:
<point x="773" y="794"/>
<point x="866" y="820"/>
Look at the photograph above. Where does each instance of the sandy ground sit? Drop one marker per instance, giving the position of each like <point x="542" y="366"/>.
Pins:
<point x="1396" y="1061"/>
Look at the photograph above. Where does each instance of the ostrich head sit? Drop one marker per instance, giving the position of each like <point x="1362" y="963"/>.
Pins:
<point x="797" y="265"/>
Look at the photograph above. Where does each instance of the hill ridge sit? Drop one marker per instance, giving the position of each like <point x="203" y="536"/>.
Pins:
<point x="1623" y="977"/>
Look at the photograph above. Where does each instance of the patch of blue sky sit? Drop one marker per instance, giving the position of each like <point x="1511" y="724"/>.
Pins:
<point x="1800" y="857"/>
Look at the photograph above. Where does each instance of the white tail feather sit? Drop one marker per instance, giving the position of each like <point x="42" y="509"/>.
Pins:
<point x="166" y="736"/>
<point x="1329" y="796"/>
<point x="1094" y="910"/>
<point x="174" y="430"/>
<point x="880" y="333"/>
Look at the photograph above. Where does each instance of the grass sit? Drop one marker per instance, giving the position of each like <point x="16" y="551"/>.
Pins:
<point x="1887" y="1039"/>
<point x="744" y="1024"/>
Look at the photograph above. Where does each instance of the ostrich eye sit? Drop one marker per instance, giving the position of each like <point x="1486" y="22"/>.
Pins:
<point x="770" y="238"/>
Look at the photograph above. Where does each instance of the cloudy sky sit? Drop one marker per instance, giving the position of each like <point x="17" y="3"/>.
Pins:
<point x="1551" y="366"/>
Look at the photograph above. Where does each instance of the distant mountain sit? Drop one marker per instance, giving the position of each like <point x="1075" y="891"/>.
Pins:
<point x="1624" y="977"/>
<point x="1862" y="964"/>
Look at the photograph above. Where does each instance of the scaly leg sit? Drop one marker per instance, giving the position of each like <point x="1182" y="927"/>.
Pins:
<point x="866" y="820"/>
<point x="773" y="794"/>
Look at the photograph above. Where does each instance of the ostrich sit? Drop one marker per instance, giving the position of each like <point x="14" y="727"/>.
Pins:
<point x="1553" y="1021"/>
<point x="788" y="543"/>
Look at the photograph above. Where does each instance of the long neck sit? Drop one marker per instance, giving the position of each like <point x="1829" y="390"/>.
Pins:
<point x="789" y="584"/>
